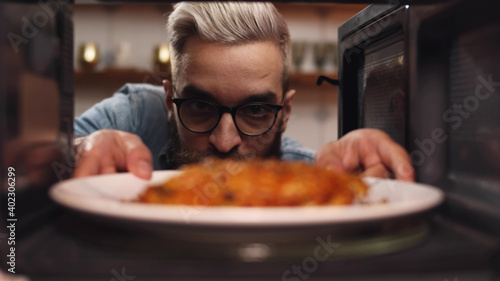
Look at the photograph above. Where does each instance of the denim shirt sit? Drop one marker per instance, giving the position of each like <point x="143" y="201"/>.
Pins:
<point x="140" y="109"/>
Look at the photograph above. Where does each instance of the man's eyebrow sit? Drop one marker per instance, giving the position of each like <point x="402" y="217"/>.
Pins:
<point x="191" y="91"/>
<point x="268" y="97"/>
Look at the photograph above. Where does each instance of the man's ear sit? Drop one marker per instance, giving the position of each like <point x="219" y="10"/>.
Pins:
<point x="169" y="96"/>
<point x="287" y="108"/>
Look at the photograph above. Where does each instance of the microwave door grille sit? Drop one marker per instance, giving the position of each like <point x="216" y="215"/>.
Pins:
<point x="382" y="98"/>
<point x="473" y="121"/>
<point x="472" y="115"/>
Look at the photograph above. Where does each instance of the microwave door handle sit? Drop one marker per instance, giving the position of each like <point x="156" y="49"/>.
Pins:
<point x="322" y="78"/>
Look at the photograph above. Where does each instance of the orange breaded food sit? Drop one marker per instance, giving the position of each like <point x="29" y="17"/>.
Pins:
<point x="256" y="183"/>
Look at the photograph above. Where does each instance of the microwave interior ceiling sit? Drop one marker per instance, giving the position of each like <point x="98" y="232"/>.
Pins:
<point x="400" y="2"/>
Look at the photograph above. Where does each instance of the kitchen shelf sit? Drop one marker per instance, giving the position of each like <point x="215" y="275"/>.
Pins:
<point x="309" y="79"/>
<point x="122" y="76"/>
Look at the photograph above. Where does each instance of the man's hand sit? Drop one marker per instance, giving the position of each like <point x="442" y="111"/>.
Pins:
<point x="112" y="151"/>
<point x="369" y="152"/>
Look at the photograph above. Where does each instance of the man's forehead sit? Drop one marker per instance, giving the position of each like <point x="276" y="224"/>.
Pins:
<point x="196" y="50"/>
<point x="252" y="68"/>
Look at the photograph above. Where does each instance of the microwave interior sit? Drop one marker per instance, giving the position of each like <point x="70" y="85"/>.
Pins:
<point x="429" y="78"/>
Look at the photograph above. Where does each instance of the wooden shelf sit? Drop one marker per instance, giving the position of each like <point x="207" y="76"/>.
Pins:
<point x="308" y="79"/>
<point x="119" y="76"/>
<point x="122" y="76"/>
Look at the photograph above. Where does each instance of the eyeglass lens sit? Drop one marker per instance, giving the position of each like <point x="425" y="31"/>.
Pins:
<point x="251" y="119"/>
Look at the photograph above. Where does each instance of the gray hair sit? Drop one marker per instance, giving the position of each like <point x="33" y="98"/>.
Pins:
<point x="229" y="23"/>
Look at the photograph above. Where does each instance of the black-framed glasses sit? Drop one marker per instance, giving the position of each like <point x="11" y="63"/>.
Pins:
<point x="251" y="119"/>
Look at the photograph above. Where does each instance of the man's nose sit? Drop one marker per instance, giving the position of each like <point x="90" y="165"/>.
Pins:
<point x="225" y="136"/>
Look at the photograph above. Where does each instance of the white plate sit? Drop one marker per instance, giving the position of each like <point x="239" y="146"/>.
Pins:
<point x="110" y="196"/>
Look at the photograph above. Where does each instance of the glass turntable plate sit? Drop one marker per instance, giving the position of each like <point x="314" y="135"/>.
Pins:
<point x="112" y="196"/>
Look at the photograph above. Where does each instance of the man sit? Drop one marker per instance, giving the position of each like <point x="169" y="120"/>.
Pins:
<point x="228" y="97"/>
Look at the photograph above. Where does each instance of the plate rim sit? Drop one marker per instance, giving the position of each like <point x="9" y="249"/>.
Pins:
<point x="72" y="203"/>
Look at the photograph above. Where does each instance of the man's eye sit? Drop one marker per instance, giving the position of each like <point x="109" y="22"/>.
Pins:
<point x="200" y="106"/>
<point x="255" y="110"/>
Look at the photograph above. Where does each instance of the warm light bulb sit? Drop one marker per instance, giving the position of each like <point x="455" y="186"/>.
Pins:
<point x="161" y="59"/>
<point x="89" y="54"/>
<point x="163" y="54"/>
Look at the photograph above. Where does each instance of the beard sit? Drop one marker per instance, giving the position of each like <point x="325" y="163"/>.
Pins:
<point x="178" y="155"/>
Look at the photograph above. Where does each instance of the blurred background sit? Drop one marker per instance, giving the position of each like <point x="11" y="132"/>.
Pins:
<point x="118" y="44"/>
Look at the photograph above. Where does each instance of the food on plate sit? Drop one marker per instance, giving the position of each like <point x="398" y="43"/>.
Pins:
<point x="216" y="182"/>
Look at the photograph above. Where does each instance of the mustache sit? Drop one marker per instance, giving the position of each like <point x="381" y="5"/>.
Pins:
<point x="179" y="155"/>
<point x="184" y="156"/>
